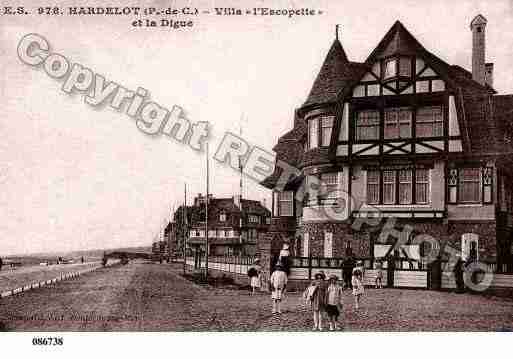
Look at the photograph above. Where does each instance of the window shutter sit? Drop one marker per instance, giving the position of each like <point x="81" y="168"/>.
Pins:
<point x="306" y="244"/>
<point x="487" y="184"/>
<point x="328" y="244"/>
<point x="453" y="185"/>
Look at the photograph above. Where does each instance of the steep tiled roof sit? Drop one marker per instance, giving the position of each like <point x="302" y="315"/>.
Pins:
<point x="397" y="41"/>
<point x="486" y="118"/>
<point x="335" y="73"/>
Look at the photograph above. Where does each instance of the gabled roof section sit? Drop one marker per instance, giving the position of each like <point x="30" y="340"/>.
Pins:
<point x="335" y="73"/>
<point x="397" y="41"/>
<point x="478" y="20"/>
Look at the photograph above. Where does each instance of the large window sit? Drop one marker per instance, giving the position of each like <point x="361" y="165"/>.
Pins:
<point x="283" y="204"/>
<point x="328" y="188"/>
<point x="429" y="122"/>
<point x="405" y="186"/>
<point x="319" y="131"/>
<point x="398" y="123"/>
<point x="389" y="182"/>
<point x="470" y="185"/>
<point x="373" y="187"/>
<point x="367" y="125"/>
<point x="422" y="186"/>
<point x="326" y="128"/>
<point x="392" y="187"/>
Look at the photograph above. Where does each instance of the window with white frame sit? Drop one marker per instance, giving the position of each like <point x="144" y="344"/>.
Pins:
<point x="405" y="186"/>
<point x="373" y="183"/>
<point x="284" y="204"/>
<point x="367" y="125"/>
<point x="389" y="187"/>
<point x="326" y="129"/>
<point x="429" y="121"/>
<point x="253" y="218"/>
<point x="421" y="186"/>
<point x="470" y="185"/>
<point x="319" y="131"/>
<point x="222" y="217"/>
<point x="313" y="133"/>
<point x="398" y="123"/>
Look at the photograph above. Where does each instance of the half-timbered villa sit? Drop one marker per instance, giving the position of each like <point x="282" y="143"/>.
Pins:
<point x="405" y="133"/>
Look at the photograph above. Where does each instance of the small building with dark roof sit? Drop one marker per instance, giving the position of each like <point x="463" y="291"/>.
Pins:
<point x="408" y="137"/>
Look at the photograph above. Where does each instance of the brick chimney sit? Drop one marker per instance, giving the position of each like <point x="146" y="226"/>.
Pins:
<point x="489" y="74"/>
<point x="478" y="26"/>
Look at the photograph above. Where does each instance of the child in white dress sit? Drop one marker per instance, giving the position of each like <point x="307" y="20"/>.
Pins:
<point x="357" y="283"/>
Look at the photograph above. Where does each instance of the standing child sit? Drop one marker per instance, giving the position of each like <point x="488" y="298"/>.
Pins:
<point x="357" y="282"/>
<point x="278" y="283"/>
<point x="254" y="274"/>
<point x="334" y="301"/>
<point x="315" y="296"/>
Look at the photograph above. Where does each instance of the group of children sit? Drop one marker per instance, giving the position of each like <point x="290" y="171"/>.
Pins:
<point x="324" y="299"/>
<point x="327" y="298"/>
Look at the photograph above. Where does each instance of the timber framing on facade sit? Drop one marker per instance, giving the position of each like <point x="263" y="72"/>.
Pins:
<point x="406" y="133"/>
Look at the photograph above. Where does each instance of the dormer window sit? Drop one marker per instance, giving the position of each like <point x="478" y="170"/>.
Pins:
<point x="319" y="131"/>
<point x="390" y="69"/>
<point x="222" y="217"/>
<point x="397" y="67"/>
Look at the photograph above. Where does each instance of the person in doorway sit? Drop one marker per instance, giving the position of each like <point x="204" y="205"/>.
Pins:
<point x="379" y="275"/>
<point x="254" y="274"/>
<point x="334" y="301"/>
<point x="357" y="283"/>
<point x="278" y="283"/>
<point x="347" y="271"/>
<point x="315" y="296"/>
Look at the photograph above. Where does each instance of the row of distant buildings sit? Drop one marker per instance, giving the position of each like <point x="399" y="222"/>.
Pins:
<point x="234" y="226"/>
<point x="405" y="133"/>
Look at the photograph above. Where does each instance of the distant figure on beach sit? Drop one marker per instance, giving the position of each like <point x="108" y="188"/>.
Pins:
<point x="82" y="260"/>
<point x="1" y="263"/>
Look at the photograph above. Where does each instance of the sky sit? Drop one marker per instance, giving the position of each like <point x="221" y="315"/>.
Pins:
<point x="75" y="177"/>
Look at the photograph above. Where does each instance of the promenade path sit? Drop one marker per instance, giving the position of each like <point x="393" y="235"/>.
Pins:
<point x="154" y="297"/>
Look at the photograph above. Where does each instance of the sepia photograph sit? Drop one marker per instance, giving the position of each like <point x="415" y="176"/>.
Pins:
<point x="337" y="170"/>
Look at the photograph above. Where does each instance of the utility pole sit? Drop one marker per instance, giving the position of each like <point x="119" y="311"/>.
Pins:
<point x="184" y="229"/>
<point x="206" y="221"/>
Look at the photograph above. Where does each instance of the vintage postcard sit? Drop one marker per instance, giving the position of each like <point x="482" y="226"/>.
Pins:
<point x="256" y="166"/>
